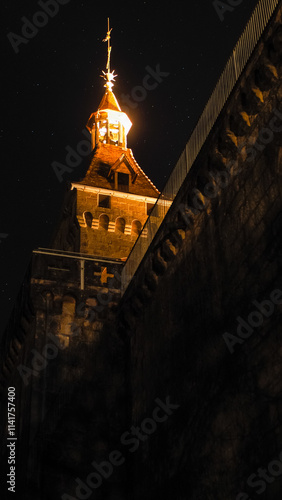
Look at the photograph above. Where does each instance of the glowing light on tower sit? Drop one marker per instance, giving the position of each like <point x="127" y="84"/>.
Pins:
<point x="109" y="125"/>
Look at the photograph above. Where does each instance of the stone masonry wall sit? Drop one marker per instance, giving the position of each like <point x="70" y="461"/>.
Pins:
<point x="69" y="375"/>
<point x="197" y="338"/>
<point x="110" y="242"/>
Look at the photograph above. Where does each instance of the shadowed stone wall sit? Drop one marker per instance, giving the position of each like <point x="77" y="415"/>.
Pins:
<point x="68" y="368"/>
<point x="195" y="333"/>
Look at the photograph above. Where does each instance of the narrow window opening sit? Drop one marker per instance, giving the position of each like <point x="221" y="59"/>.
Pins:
<point x="120" y="225"/>
<point x="136" y="227"/>
<point x="104" y="222"/>
<point x="123" y="182"/>
<point x="88" y="217"/>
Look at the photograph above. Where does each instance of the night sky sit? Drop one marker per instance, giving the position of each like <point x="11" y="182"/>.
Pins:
<point x="52" y="85"/>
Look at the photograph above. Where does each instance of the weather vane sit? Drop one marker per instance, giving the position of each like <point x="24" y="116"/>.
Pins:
<point x="109" y="76"/>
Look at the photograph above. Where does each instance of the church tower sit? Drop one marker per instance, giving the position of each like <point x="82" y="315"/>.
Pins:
<point x="115" y="197"/>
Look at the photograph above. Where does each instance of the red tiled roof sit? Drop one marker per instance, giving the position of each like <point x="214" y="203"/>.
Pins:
<point x="105" y="156"/>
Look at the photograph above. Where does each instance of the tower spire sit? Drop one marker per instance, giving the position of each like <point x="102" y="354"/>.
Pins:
<point x="109" y="125"/>
<point x="108" y="75"/>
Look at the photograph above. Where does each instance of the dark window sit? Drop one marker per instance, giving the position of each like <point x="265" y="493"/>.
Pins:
<point x="136" y="227"/>
<point x="120" y="225"/>
<point x="123" y="182"/>
<point x="104" y="201"/>
<point x="88" y="218"/>
<point x="150" y="207"/>
<point x="103" y="222"/>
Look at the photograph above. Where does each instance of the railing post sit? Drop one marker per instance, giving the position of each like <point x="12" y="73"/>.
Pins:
<point x="82" y="268"/>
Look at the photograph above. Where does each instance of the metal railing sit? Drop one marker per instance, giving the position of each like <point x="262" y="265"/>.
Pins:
<point x="230" y="75"/>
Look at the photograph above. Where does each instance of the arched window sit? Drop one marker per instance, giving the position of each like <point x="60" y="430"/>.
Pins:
<point x="88" y="217"/>
<point x="120" y="225"/>
<point x="104" y="222"/>
<point x="136" y="227"/>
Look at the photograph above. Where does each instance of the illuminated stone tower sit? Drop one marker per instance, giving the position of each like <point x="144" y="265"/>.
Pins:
<point x="115" y="197"/>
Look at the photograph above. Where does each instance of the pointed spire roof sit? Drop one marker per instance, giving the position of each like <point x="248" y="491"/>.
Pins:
<point x="109" y="124"/>
<point x="109" y="101"/>
<point x="109" y="127"/>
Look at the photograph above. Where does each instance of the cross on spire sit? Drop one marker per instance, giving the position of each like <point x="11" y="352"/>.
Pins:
<point x="109" y="76"/>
